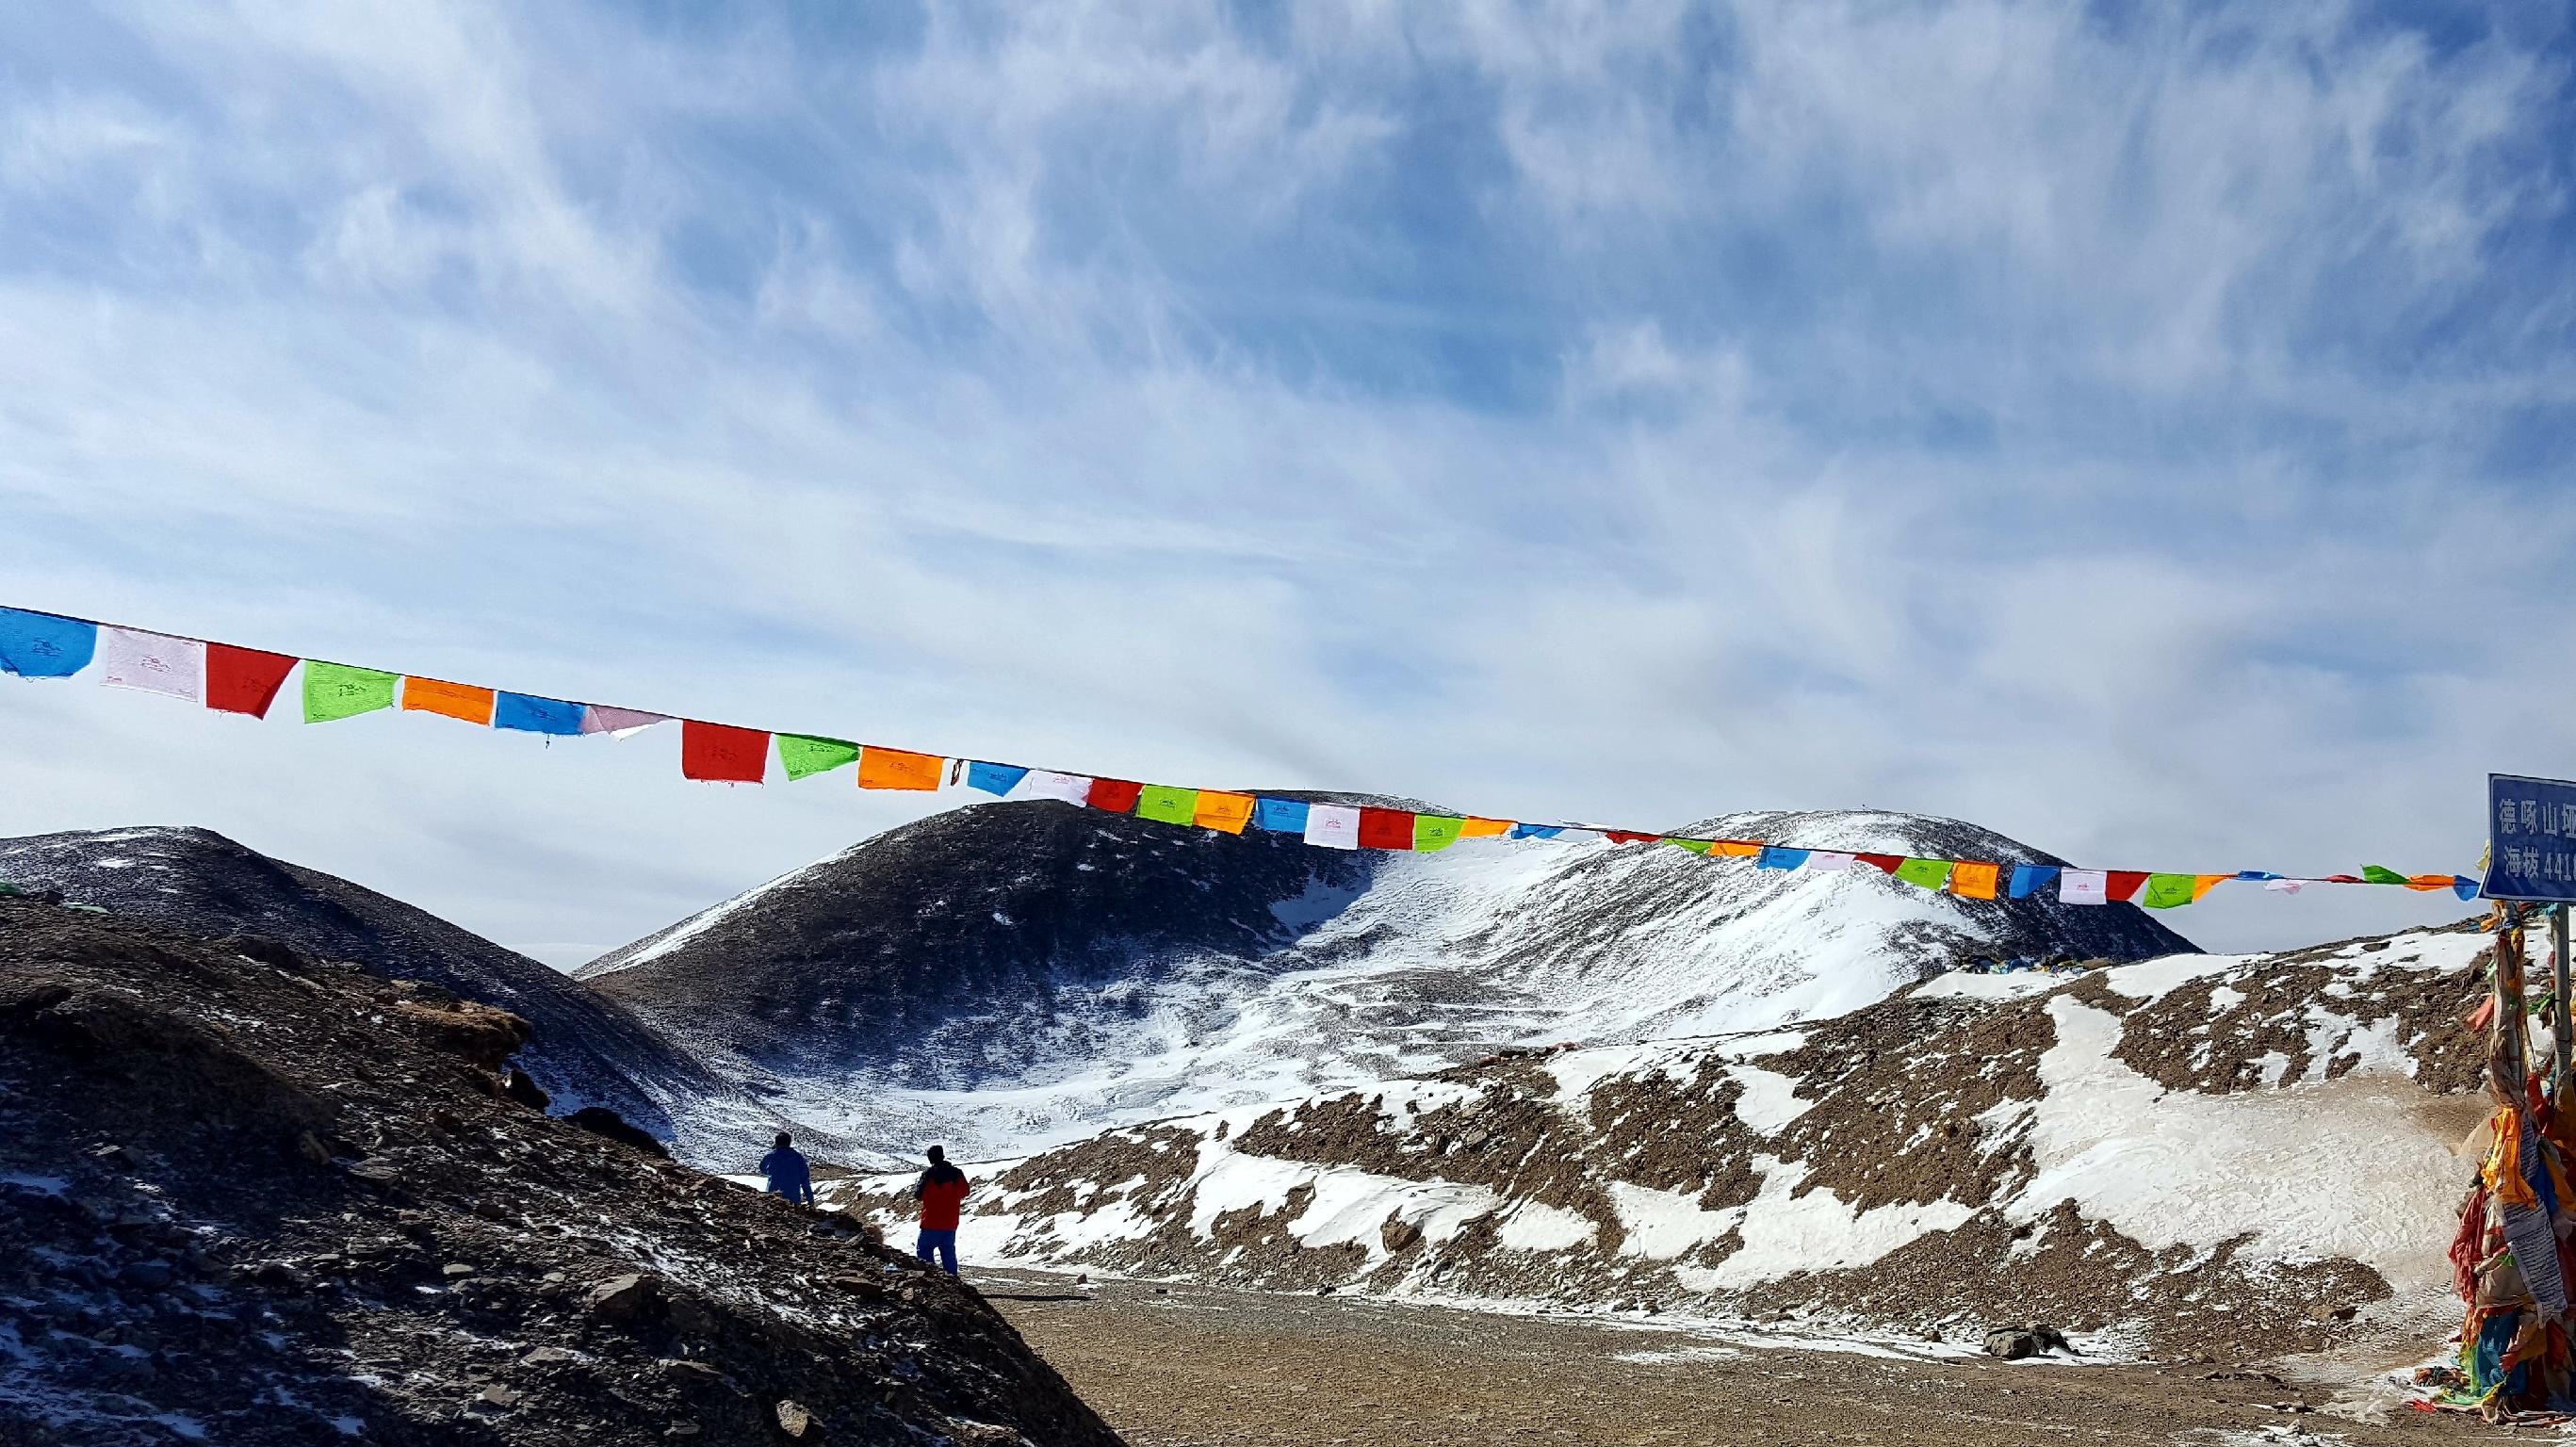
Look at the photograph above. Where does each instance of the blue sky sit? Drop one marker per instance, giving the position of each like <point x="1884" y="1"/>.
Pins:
<point x="2138" y="430"/>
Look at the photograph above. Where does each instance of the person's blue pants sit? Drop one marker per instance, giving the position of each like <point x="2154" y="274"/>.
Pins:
<point x="942" y="1245"/>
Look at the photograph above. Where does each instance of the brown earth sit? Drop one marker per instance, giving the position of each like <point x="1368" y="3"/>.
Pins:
<point x="1186" y="1366"/>
<point x="278" y="1200"/>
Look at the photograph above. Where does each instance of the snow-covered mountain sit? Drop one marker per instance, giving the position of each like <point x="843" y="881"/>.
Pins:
<point x="1015" y="974"/>
<point x="589" y="1049"/>
<point x="2199" y="1153"/>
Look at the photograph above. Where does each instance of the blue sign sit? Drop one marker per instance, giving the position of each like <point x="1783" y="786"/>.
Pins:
<point x="2531" y="839"/>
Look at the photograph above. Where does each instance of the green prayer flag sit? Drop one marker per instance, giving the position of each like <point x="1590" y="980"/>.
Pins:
<point x="1925" y="873"/>
<point x="337" y="691"/>
<point x="1436" y="831"/>
<point x="2164" y="891"/>
<point x="1168" y="803"/>
<point x="1695" y="846"/>
<point x="803" y="754"/>
<point x="2381" y="874"/>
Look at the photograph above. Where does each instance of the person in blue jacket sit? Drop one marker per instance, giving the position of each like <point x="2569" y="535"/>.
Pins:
<point x="788" y="1176"/>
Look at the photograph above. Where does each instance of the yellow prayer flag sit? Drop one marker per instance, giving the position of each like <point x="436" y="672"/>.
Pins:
<point x="1970" y="879"/>
<point x="455" y="700"/>
<point x="1475" y="828"/>
<point x="1228" y="812"/>
<point x="896" y="769"/>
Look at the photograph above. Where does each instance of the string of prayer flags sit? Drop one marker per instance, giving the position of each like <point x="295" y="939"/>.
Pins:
<point x="717" y="753"/>
<point x="1735" y="849"/>
<point x="994" y="779"/>
<point x="883" y="768"/>
<point x="152" y="662"/>
<point x="460" y="701"/>
<point x="1386" y="829"/>
<point x="556" y="717"/>
<point x="2380" y="874"/>
<point x="1883" y="863"/>
<point x="244" y="680"/>
<point x="334" y="691"/>
<point x="1436" y="831"/>
<point x="1165" y="804"/>
<point x="40" y="645"/>
<point x="1625" y="836"/>
<point x="1333" y="826"/>
<point x="1226" y="813"/>
<point x="802" y="756"/>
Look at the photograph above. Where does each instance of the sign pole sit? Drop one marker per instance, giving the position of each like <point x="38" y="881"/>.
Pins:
<point x="2566" y="1028"/>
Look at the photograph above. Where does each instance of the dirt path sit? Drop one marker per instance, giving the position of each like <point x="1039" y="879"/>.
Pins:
<point x="1193" y="1367"/>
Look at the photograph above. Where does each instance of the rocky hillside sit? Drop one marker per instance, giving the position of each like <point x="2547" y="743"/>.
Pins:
<point x="286" y="1201"/>
<point x="2184" y="1155"/>
<point x="589" y="1050"/>
<point x="1072" y="969"/>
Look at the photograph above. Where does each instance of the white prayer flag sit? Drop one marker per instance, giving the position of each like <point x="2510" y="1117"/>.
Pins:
<point x="1044" y="784"/>
<point x="2083" y="886"/>
<point x="618" y="723"/>
<point x="2285" y="886"/>
<point x="153" y="662"/>
<point x="1827" y="859"/>
<point x="1334" y="826"/>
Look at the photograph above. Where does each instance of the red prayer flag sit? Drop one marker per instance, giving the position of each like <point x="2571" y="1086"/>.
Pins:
<point x="1627" y="836"/>
<point x="723" y="754"/>
<point x="1386" y="829"/>
<point x="1885" y="863"/>
<point x="1118" y="796"/>
<point x="2122" y="883"/>
<point x="244" y="680"/>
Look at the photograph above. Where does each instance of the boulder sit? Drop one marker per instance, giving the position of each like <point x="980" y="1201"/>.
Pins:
<point x="599" y="1120"/>
<point x="624" y="1298"/>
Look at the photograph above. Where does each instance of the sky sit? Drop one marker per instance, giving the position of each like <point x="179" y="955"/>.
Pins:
<point x="2139" y="430"/>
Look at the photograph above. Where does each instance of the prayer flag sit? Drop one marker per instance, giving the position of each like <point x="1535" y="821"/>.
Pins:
<point x="1115" y="796"/>
<point x="2255" y="876"/>
<point x="1477" y="828"/>
<point x="2464" y="887"/>
<point x="1774" y="857"/>
<point x="1334" y="826"/>
<point x="2164" y="891"/>
<point x="40" y="645"/>
<point x="881" y="768"/>
<point x="2202" y="884"/>
<point x="1828" y="860"/>
<point x="2121" y="883"/>
<point x="996" y="779"/>
<point x="618" y="723"/>
<point x="2030" y="879"/>
<point x="1436" y="831"/>
<point x="1974" y="880"/>
<point x="2081" y="886"/>
<point x="803" y="755"/>
<point x="462" y="701"/>
<point x="158" y="663"/>
<point x="1223" y="812"/>
<point x="1735" y="848"/>
<point x="1695" y="846"/>
<point x="337" y="691"/>
<point x="1628" y="836"/>
<point x="2342" y="879"/>
<point x="1924" y="873"/>
<point x="1886" y="863"/>
<point x="1537" y="831"/>
<point x="244" y="680"/>
<point x="526" y="713"/>
<point x="1048" y="784"/>
<point x="2428" y="882"/>
<point x="1386" y="829"/>
<point x="2380" y="874"/>
<point x="2285" y="886"/>
<point x="723" y="754"/>
<point x="1167" y="804"/>
<point x="1287" y="816"/>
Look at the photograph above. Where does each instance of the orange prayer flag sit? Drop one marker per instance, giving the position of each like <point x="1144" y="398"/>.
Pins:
<point x="1228" y="812"/>
<point x="1970" y="879"/>
<point x="2430" y="882"/>
<point x="456" y="700"/>
<point x="896" y="769"/>
<point x="1475" y="828"/>
<point x="2202" y="884"/>
<point x="1735" y="848"/>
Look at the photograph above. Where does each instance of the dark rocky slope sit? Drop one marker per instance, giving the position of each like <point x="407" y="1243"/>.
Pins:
<point x="284" y="1201"/>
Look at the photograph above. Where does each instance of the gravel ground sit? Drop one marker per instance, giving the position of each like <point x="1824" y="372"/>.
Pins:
<point x="1194" y="1367"/>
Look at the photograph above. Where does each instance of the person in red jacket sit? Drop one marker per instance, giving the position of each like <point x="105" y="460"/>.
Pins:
<point x="941" y="1189"/>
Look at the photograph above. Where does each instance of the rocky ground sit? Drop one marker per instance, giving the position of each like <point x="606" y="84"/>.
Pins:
<point x="251" y="1196"/>
<point x="1182" y="1366"/>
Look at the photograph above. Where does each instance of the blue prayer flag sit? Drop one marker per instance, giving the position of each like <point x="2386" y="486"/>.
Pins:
<point x="2464" y="887"/>
<point x="1537" y="831"/>
<point x="1775" y="857"/>
<point x="994" y="778"/>
<point x="40" y="645"/>
<point x="2030" y="879"/>
<point x="2256" y="876"/>
<point x="1280" y="816"/>
<point x="530" y="714"/>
